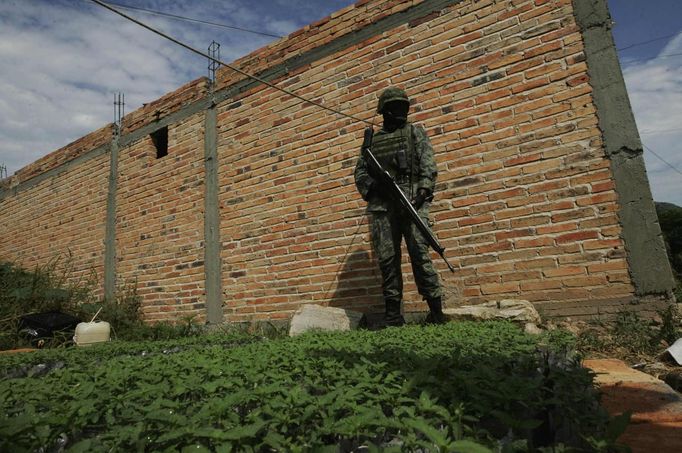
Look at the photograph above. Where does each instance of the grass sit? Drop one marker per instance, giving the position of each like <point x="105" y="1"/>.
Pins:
<point x="639" y="342"/>
<point x="630" y="337"/>
<point x="53" y="287"/>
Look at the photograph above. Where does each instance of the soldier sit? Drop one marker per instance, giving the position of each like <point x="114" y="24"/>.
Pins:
<point x="404" y="150"/>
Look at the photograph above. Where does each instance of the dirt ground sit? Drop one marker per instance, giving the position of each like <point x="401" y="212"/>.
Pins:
<point x="598" y="341"/>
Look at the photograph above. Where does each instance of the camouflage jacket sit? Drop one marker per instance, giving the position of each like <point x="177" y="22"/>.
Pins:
<point x="421" y="172"/>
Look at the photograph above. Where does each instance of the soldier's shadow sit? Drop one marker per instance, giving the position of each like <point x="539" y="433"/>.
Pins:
<point x="358" y="285"/>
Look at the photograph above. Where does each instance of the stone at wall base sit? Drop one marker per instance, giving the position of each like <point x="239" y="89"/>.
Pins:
<point x="521" y="312"/>
<point x="311" y="317"/>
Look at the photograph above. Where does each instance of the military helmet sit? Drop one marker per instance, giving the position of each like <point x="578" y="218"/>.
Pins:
<point x="391" y="94"/>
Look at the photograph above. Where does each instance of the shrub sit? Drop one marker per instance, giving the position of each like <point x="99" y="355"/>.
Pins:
<point x="52" y="287"/>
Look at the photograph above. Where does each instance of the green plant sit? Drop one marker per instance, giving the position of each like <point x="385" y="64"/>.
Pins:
<point x="471" y="387"/>
<point x="629" y="336"/>
<point x="670" y="219"/>
<point x="631" y="332"/>
<point x="49" y="287"/>
<point x="55" y="287"/>
<point x="671" y="325"/>
<point x="593" y="339"/>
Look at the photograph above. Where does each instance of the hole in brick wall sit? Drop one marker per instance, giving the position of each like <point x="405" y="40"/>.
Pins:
<point x="160" y="140"/>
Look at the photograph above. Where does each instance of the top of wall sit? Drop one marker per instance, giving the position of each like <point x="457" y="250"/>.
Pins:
<point x="320" y="33"/>
<point x="62" y="155"/>
<point x="282" y="53"/>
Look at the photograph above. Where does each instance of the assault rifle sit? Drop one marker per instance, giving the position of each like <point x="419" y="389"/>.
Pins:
<point x="388" y="183"/>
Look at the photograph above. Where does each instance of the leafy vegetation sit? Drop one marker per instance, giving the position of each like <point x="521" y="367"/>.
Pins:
<point x="469" y="387"/>
<point x="23" y="292"/>
<point x="670" y="219"/>
<point x="52" y="287"/>
<point x="630" y="337"/>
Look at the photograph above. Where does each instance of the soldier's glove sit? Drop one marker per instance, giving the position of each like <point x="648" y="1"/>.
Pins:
<point x="423" y="195"/>
<point x="370" y="190"/>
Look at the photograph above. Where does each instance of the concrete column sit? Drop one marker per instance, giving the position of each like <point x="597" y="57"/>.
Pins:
<point x="110" y="231"/>
<point x="647" y="259"/>
<point x="212" y="261"/>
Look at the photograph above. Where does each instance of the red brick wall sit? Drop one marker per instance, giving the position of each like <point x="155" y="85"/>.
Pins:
<point x="525" y="202"/>
<point x="159" y="234"/>
<point x="61" y="218"/>
<point x="164" y="106"/>
<point x="65" y="154"/>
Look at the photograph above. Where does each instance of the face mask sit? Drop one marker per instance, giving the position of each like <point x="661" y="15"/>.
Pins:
<point x="395" y="115"/>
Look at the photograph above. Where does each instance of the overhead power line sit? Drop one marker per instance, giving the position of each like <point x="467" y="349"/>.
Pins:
<point x="641" y="43"/>
<point x="235" y="69"/>
<point x="670" y="55"/>
<point x="660" y="131"/>
<point x="190" y="19"/>
<point x="663" y="160"/>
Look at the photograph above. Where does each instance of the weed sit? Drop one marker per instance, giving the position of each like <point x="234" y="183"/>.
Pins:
<point x="55" y="287"/>
<point x="631" y="332"/>
<point x="671" y="325"/>
<point x="629" y="336"/>
<point x="50" y="287"/>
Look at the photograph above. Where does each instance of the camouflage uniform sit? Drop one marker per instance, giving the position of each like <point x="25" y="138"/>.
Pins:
<point x="407" y="155"/>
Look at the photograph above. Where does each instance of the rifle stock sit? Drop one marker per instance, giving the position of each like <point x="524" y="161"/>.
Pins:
<point x="387" y="182"/>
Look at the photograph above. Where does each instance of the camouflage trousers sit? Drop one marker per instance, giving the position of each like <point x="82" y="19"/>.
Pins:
<point x="388" y="229"/>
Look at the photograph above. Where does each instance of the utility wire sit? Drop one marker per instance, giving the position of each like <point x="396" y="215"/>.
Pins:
<point x="664" y="161"/>
<point x="667" y="55"/>
<point x="235" y="69"/>
<point x="659" y="131"/>
<point x="263" y="81"/>
<point x="670" y="55"/>
<point x="190" y="19"/>
<point x="647" y="42"/>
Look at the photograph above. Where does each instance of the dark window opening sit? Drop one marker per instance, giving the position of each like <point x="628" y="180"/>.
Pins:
<point x="160" y="140"/>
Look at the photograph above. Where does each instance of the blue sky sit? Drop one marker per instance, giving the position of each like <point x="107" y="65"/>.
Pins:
<point x="63" y="60"/>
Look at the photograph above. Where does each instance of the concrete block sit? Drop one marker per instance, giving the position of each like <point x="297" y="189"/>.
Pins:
<point x="311" y="316"/>
<point x="656" y="408"/>
<point x="520" y="311"/>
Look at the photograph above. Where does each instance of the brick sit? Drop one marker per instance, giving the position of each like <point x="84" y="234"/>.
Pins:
<point x="533" y="243"/>
<point x="572" y="215"/>
<point x="540" y="285"/>
<point x="615" y="265"/>
<point x="500" y="288"/>
<point x="558" y="228"/>
<point x="539" y="263"/>
<point x="545" y="48"/>
<point x="514" y="192"/>
<point x="468" y="201"/>
<point x="513" y="233"/>
<point x="565" y="271"/>
<point x="475" y="220"/>
<point x="583" y="282"/>
<point x="578" y="236"/>
<point x="525" y="201"/>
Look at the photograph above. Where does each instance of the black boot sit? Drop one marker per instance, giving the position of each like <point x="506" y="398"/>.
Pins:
<point x="393" y="315"/>
<point x="435" y="315"/>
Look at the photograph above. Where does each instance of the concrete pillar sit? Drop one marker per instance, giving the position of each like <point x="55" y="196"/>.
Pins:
<point x="647" y="259"/>
<point x="212" y="261"/>
<point x="110" y="231"/>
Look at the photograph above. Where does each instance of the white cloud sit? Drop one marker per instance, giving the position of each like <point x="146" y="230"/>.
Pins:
<point x="63" y="60"/>
<point x="655" y="91"/>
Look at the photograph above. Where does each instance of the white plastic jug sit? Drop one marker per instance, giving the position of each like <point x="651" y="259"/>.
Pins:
<point x="88" y="333"/>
